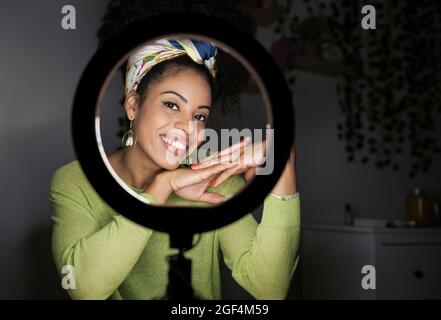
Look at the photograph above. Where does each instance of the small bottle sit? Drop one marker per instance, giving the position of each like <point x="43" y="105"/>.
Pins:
<point x="349" y="215"/>
<point x="419" y="208"/>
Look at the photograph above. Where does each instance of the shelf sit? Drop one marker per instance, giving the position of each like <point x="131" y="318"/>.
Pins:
<point x="352" y="229"/>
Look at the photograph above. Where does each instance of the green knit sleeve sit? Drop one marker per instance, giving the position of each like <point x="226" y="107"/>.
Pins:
<point x="263" y="257"/>
<point x="102" y="256"/>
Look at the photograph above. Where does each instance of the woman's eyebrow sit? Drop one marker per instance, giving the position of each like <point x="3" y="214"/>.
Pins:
<point x="184" y="99"/>
<point x="179" y="95"/>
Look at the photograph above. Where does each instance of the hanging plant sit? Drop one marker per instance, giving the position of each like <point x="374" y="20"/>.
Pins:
<point x="390" y="97"/>
<point x="286" y="46"/>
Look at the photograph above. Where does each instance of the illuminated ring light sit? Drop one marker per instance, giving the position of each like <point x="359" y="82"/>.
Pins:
<point x="85" y="129"/>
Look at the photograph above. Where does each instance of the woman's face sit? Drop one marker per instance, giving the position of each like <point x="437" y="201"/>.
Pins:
<point x="171" y="121"/>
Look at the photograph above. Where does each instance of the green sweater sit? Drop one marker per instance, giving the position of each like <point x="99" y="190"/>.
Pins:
<point x="119" y="259"/>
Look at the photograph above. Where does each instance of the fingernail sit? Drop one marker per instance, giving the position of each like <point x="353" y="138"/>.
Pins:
<point x="213" y="183"/>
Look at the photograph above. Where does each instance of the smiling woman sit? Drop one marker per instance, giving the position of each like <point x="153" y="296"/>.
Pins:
<point x="168" y="100"/>
<point x="144" y="73"/>
<point x="170" y="87"/>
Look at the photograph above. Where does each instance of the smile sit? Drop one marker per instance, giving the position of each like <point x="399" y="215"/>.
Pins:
<point x="173" y="142"/>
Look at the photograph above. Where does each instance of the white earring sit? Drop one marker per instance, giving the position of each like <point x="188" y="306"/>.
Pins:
<point x="129" y="139"/>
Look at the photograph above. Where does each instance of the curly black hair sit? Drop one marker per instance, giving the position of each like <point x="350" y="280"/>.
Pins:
<point x="232" y="77"/>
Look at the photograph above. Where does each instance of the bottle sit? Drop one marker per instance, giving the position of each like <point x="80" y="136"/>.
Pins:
<point x="349" y="215"/>
<point x="419" y="208"/>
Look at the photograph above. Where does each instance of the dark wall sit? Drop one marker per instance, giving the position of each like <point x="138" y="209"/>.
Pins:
<point x="40" y="65"/>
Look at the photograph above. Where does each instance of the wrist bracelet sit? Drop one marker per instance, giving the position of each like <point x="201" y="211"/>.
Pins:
<point x="285" y="198"/>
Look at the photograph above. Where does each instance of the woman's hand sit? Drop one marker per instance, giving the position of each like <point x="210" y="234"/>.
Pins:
<point x="246" y="156"/>
<point x="246" y="161"/>
<point x="197" y="192"/>
<point x="187" y="183"/>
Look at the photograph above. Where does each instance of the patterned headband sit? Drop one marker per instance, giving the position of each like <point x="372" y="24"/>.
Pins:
<point x="148" y="56"/>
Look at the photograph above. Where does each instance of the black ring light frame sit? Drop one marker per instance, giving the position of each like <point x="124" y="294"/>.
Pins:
<point x="178" y="220"/>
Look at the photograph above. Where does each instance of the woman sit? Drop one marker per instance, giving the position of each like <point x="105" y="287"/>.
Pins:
<point x="118" y="259"/>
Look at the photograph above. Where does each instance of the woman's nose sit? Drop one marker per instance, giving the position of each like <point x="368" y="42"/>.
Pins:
<point x="185" y="125"/>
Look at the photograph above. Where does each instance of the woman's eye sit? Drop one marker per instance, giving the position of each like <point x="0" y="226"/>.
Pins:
<point x="200" y="117"/>
<point x="171" y="105"/>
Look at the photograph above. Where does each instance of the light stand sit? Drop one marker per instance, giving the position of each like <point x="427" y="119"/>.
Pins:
<point x="179" y="274"/>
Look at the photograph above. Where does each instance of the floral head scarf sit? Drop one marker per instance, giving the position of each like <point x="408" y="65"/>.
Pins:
<point x="145" y="58"/>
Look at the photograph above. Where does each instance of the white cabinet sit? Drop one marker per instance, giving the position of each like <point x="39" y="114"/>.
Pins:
<point x="407" y="262"/>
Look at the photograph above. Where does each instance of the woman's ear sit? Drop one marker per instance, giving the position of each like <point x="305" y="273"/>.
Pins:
<point x="132" y="104"/>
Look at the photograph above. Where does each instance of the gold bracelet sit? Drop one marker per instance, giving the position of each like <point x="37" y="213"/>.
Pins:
<point x="285" y="198"/>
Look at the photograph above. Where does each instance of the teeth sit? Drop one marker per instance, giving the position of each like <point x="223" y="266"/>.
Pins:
<point x="175" y="144"/>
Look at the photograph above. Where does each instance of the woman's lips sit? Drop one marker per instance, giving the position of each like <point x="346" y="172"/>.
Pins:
<point x="175" y="144"/>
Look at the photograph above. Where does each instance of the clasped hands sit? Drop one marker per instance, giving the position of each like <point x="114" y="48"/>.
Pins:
<point x="192" y="183"/>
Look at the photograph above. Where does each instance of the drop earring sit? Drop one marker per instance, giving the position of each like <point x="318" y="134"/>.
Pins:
<point x="129" y="139"/>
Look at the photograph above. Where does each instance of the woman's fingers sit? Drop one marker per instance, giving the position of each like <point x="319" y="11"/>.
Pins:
<point x="229" y="154"/>
<point x="250" y="173"/>
<point x="207" y="173"/>
<point x="254" y="155"/>
<point x="233" y="157"/>
<point x="247" y="154"/>
<point x="228" y="173"/>
<point x="223" y="176"/>
<point x="182" y="178"/>
<point x="231" y="149"/>
<point x="212" y="197"/>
